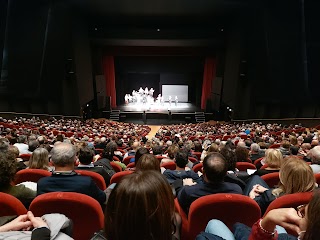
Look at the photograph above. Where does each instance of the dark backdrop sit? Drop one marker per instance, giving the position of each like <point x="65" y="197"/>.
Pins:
<point x="133" y="72"/>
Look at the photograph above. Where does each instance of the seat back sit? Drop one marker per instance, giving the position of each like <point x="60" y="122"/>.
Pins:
<point x="116" y="167"/>
<point x="85" y="212"/>
<point x="272" y="179"/>
<point x="169" y="165"/>
<point x="290" y="201"/>
<point x="243" y="166"/>
<point x="198" y="154"/>
<point x="9" y="205"/>
<point x="276" y="145"/>
<point x="131" y="165"/>
<point x="198" y="167"/>
<point x="126" y="161"/>
<point x="317" y="177"/>
<point x="257" y="161"/>
<point x="192" y="159"/>
<point x="30" y="175"/>
<point x="116" y="178"/>
<point x="96" y="177"/>
<point x="224" y="207"/>
<point x="25" y="156"/>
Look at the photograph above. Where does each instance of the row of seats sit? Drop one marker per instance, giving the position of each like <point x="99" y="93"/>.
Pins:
<point x="87" y="215"/>
<point x="84" y="211"/>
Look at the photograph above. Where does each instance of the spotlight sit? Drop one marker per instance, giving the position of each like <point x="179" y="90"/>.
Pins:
<point x="227" y="107"/>
<point x="158" y="29"/>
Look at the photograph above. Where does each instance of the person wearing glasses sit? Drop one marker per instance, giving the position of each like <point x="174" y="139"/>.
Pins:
<point x="303" y="222"/>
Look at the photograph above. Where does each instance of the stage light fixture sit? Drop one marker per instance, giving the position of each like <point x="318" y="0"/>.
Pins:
<point x="158" y="29"/>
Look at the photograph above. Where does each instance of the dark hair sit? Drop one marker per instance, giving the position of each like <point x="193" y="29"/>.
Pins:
<point x="86" y="155"/>
<point x="139" y="153"/>
<point x="294" y="150"/>
<point x="33" y="145"/>
<point x="140" y="198"/>
<point x="230" y="158"/>
<point x="197" y="146"/>
<point x="214" y="167"/>
<point x="313" y="219"/>
<point x="182" y="159"/>
<point x="242" y="154"/>
<point x="157" y="150"/>
<point x="8" y="169"/>
<point x="108" y="152"/>
<point x="148" y="162"/>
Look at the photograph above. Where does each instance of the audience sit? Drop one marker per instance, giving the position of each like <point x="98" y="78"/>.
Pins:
<point x="179" y="142"/>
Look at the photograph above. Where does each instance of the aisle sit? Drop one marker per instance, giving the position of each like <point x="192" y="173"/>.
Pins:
<point x="154" y="130"/>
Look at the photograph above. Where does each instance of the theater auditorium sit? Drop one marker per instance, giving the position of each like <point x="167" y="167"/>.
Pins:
<point x="159" y="120"/>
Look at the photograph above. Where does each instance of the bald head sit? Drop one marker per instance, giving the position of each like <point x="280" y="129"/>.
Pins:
<point x="135" y="145"/>
<point x="63" y="154"/>
<point x="214" y="167"/>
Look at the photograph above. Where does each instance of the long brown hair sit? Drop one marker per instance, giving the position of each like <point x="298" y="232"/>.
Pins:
<point x="313" y="218"/>
<point x="39" y="159"/>
<point x="140" y="207"/>
<point x="148" y="162"/>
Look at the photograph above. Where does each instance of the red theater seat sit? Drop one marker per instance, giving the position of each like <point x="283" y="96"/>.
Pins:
<point x="9" y="205"/>
<point x="31" y="175"/>
<point x="84" y="211"/>
<point x="96" y="177"/>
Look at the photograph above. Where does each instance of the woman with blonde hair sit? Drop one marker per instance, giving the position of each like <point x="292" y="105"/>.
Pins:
<point x="272" y="160"/>
<point x="40" y="159"/>
<point x="295" y="176"/>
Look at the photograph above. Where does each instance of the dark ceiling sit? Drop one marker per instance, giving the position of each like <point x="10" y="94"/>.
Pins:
<point x="198" y="22"/>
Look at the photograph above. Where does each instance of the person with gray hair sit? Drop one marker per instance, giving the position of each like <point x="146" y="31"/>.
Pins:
<point x="65" y="179"/>
<point x="314" y="155"/>
<point x="255" y="152"/>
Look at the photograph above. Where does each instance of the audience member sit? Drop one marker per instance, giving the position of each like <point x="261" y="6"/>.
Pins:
<point x="65" y="179"/>
<point x="273" y="160"/>
<point x="214" y="172"/>
<point x="39" y="160"/>
<point x="314" y="155"/>
<point x="142" y="197"/>
<point x="86" y="155"/>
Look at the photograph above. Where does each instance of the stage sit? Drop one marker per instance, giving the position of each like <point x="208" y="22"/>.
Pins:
<point x="159" y="108"/>
<point x="156" y="114"/>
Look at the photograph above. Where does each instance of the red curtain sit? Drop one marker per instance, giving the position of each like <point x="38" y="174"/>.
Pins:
<point x="109" y="74"/>
<point x="208" y="77"/>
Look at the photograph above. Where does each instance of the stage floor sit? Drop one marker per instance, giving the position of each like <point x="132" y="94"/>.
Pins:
<point x="157" y="108"/>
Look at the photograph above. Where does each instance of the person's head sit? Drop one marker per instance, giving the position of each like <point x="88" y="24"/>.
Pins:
<point x="197" y="146"/>
<point x="213" y="148"/>
<point x="255" y="148"/>
<point x="8" y="169"/>
<point x="230" y="158"/>
<point x="4" y="144"/>
<point x="15" y="151"/>
<point x="22" y="139"/>
<point x="139" y="153"/>
<point x="181" y="159"/>
<point x="214" y="167"/>
<point x="135" y="145"/>
<point x="148" y="162"/>
<point x="273" y="158"/>
<point x="63" y="155"/>
<point x="312" y="218"/>
<point x="314" y="154"/>
<point x="242" y="154"/>
<point x="295" y="176"/>
<point x="293" y="140"/>
<point x="285" y="144"/>
<point x="157" y="150"/>
<point x="172" y="150"/>
<point x="33" y="144"/>
<point x="85" y="155"/>
<point x="143" y="197"/>
<point x="108" y="152"/>
<point x="39" y="159"/>
<point x="294" y="150"/>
